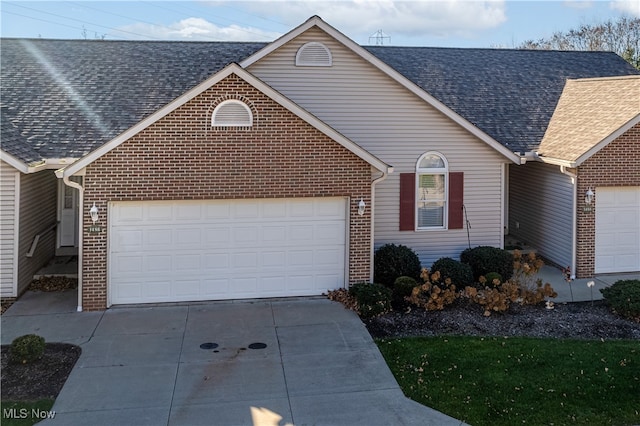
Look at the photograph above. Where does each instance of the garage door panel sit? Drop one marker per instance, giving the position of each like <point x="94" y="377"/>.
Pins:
<point x="158" y="212"/>
<point x="157" y="239"/>
<point x="274" y="259"/>
<point x="158" y="264"/>
<point x="214" y="261"/>
<point x="617" y="221"/>
<point x="199" y="250"/>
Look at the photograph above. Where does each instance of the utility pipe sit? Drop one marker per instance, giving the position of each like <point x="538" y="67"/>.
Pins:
<point x="80" y="188"/>
<point x="574" y="220"/>
<point x="377" y="180"/>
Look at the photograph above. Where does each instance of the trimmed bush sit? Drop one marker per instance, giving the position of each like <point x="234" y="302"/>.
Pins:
<point x="372" y="299"/>
<point x="402" y="288"/>
<point x="485" y="259"/>
<point x="459" y="273"/>
<point x="491" y="276"/>
<point x="26" y="349"/>
<point x="624" y="298"/>
<point x="392" y="261"/>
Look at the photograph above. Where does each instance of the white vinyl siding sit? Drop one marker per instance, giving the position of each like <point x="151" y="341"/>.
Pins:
<point x="370" y="108"/>
<point x="541" y="210"/>
<point x="9" y="191"/>
<point x="38" y="209"/>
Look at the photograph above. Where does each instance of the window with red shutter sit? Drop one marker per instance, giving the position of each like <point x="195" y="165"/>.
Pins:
<point x="431" y="195"/>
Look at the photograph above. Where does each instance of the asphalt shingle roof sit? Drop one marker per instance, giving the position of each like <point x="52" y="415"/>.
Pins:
<point x="64" y="98"/>
<point x="508" y="94"/>
<point x="609" y="102"/>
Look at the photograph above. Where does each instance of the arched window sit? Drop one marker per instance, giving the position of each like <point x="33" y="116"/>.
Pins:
<point x="432" y="171"/>
<point x="314" y="54"/>
<point x="232" y="113"/>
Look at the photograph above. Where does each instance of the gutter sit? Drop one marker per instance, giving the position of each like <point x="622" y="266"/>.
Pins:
<point x="60" y="174"/>
<point x="385" y="174"/>
<point x="574" y="219"/>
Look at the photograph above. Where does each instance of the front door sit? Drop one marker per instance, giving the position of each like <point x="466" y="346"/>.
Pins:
<point x="69" y="215"/>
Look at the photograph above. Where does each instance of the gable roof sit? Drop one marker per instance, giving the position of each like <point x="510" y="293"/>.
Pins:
<point x="316" y="21"/>
<point x="509" y="94"/>
<point x="211" y="81"/>
<point x="590" y="114"/>
<point x="64" y="98"/>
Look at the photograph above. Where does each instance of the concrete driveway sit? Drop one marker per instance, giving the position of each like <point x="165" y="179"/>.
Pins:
<point x="302" y="361"/>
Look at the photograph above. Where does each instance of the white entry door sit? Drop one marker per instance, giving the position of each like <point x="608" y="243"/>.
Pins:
<point x="69" y="215"/>
<point x="225" y="249"/>
<point x="617" y="229"/>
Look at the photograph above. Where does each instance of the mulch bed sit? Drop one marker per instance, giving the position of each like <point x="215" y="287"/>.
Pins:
<point x="42" y="379"/>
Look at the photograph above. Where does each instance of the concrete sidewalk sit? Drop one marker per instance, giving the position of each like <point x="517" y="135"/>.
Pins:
<point x="578" y="290"/>
<point x="301" y="361"/>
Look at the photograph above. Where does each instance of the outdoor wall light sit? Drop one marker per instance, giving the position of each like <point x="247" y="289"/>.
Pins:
<point x="93" y="212"/>
<point x="361" y="206"/>
<point x="588" y="197"/>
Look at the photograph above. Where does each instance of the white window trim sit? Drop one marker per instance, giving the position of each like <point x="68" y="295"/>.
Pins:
<point x="232" y="124"/>
<point x="301" y="63"/>
<point x="433" y="171"/>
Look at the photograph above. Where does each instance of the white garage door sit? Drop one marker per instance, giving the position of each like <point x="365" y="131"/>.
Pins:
<point x="207" y="250"/>
<point x="617" y="229"/>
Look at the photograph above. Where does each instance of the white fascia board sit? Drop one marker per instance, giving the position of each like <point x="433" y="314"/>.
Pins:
<point x="14" y="162"/>
<point x="208" y="83"/>
<point x="556" y="161"/>
<point x="405" y="82"/>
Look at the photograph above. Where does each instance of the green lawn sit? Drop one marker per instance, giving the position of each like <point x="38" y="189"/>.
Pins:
<point x="25" y="413"/>
<point x="509" y="381"/>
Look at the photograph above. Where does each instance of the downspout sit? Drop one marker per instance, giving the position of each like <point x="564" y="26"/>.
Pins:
<point x="377" y="180"/>
<point x="574" y="220"/>
<point x="80" y="188"/>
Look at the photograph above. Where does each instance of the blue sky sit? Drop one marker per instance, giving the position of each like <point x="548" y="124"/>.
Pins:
<point x="447" y="23"/>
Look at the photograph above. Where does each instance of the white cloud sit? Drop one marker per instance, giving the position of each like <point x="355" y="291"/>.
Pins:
<point x="632" y="7"/>
<point x="197" y="29"/>
<point x="360" y="18"/>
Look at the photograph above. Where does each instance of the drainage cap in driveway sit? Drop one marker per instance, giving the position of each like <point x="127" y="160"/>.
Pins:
<point x="257" y="346"/>
<point x="208" y="345"/>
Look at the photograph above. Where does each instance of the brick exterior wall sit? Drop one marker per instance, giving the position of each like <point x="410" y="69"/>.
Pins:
<point x="181" y="157"/>
<point x="617" y="164"/>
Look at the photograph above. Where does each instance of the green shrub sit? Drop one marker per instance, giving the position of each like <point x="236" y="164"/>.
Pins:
<point x="624" y="298"/>
<point x="485" y="259"/>
<point x="372" y="299"/>
<point x="392" y="261"/>
<point x="491" y="276"/>
<point x="402" y="288"/>
<point x="459" y="273"/>
<point x="26" y="349"/>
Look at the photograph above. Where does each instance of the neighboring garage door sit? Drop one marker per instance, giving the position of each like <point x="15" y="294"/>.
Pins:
<point x="617" y="229"/>
<point x="225" y="249"/>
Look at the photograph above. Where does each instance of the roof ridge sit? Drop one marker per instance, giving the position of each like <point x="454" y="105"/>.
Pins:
<point x="617" y="77"/>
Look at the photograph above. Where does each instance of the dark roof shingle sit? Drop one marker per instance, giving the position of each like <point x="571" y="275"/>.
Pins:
<point x="508" y="94"/>
<point x="67" y="97"/>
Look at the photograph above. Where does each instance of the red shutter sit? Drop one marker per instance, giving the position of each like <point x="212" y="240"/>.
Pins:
<point x="456" y="191"/>
<point x="407" y="201"/>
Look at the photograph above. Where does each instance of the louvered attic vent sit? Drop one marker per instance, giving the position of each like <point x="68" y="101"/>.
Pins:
<point x="314" y="54"/>
<point x="232" y="113"/>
